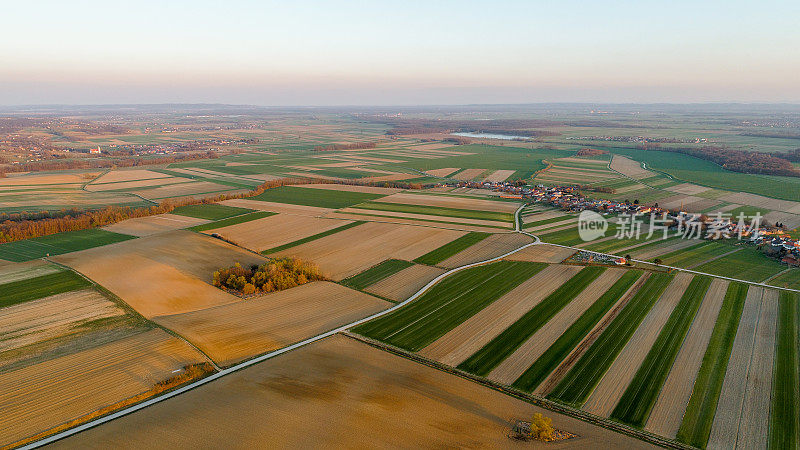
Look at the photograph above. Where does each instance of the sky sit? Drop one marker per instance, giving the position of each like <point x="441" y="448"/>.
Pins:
<point x="282" y="53"/>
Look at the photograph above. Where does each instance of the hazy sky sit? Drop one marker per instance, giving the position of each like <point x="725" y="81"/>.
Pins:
<point x="398" y="52"/>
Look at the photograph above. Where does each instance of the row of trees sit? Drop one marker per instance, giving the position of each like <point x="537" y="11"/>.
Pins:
<point x="276" y="275"/>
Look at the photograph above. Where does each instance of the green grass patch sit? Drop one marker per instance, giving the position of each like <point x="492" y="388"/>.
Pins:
<point x="568" y="237"/>
<point x="322" y="198"/>
<point x="38" y="287"/>
<point x="699" y="416"/>
<point x="449" y="303"/>
<point x="785" y="427"/>
<point x="789" y="279"/>
<point x="581" y="380"/>
<point x="747" y="264"/>
<point x="573" y="336"/>
<point x="639" y="398"/>
<point x="451" y="248"/>
<point x="376" y="273"/>
<point x="311" y="238"/>
<point x="58" y="244"/>
<point x="498" y="349"/>
<point x="211" y="211"/>
<point x="232" y="221"/>
<point x="437" y="211"/>
<point x="689" y="256"/>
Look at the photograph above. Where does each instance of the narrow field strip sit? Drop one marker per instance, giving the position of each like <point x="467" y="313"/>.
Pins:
<point x="312" y="238"/>
<point x="376" y="273"/>
<point x="696" y="424"/>
<point x="438" y="211"/>
<point x="447" y="304"/>
<point x="323" y="198"/>
<point x="451" y="248"/>
<point x="235" y="220"/>
<point x="213" y="211"/>
<point x="581" y="380"/>
<point x="784" y="427"/>
<point x="639" y="398"/>
<point x="493" y="353"/>
<point x="21" y="291"/>
<point x="665" y="418"/>
<point x="58" y="244"/>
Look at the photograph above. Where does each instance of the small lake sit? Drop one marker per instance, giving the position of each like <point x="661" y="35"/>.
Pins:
<point x="506" y="137"/>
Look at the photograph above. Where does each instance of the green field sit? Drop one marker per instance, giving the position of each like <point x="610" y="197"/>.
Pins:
<point x="537" y="223"/>
<point x="579" y="382"/>
<point x="376" y="273"/>
<point x="785" y="427"/>
<point x="748" y="264"/>
<point x="232" y="221"/>
<point x="211" y="211"/>
<point x="639" y="398"/>
<point x="44" y="286"/>
<point x="499" y="348"/>
<point x="59" y="243"/>
<point x="699" y="415"/>
<point x="437" y="211"/>
<point x="568" y="237"/>
<point x="573" y="336"/>
<point x="451" y="248"/>
<point x="323" y="198"/>
<point x="789" y="279"/>
<point x="449" y="303"/>
<point x="313" y="237"/>
<point x="696" y="254"/>
<point x="493" y="157"/>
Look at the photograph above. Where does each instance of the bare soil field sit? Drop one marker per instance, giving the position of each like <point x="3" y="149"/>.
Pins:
<point x="688" y="189"/>
<point x="146" y="226"/>
<point x="760" y="201"/>
<point x="535" y="217"/>
<point x="518" y="362"/>
<point x="423" y="221"/>
<point x="42" y="179"/>
<point x="789" y="219"/>
<point x="443" y="201"/>
<point x="491" y="247"/>
<point x="182" y="189"/>
<point x="405" y="283"/>
<point x="479" y="222"/>
<point x="442" y="172"/>
<point x="599" y="162"/>
<point x="499" y="175"/>
<point x="164" y="182"/>
<point x="156" y="275"/>
<point x="352" y="188"/>
<point x="667" y="414"/>
<point x="277" y="207"/>
<point x="545" y="253"/>
<point x="38" y="397"/>
<point x="688" y="202"/>
<point x="238" y="331"/>
<point x="629" y="167"/>
<point x="351" y="251"/>
<point x="471" y="335"/>
<point x="468" y="174"/>
<point x="10" y="272"/>
<point x="116" y="176"/>
<point x="581" y="174"/>
<point x="613" y="384"/>
<point x="272" y="231"/>
<point x="380" y="400"/>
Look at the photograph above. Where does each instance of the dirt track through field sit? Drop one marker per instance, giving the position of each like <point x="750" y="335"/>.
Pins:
<point x="471" y="335"/>
<point x="613" y="384"/>
<point x="667" y="414"/>
<point x="519" y="361"/>
<point x="405" y="283"/>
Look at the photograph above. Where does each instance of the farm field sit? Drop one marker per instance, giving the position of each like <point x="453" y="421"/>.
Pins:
<point x="451" y="248"/>
<point x="24" y="290"/>
<point x="323" y="198"/>
<point x="493" y="216"/>
<point x="381" y="399"/>
<point x="404" y="283"/>
<point x="58" y="244"/>
<point x="542" y="253"/>
<point x="209" y="211"/>
<point x="376" y="273"/>
<point x="146" y="226"/>
<point x="492" y="247"/>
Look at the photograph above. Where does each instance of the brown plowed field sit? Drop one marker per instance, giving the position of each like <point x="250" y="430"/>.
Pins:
<point x="629" y="167"/>
<point x="117" y="176"/>
<point x="277" y="207"/>
<point x="405" y="283"/>
<point x="443" y="201"/>
<point x="146" y="226"/>
<point x="542" y="253"/>
<point x="479" y="222"/>
<point x="137" y="184"/>
<point x="352" y="188"/>
<point x="491" y="247"/>
<point x="272" y="231"/>
<point x="468" y="174"/>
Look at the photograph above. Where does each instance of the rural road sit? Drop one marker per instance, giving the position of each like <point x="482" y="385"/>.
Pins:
<point x="270" y="355"/>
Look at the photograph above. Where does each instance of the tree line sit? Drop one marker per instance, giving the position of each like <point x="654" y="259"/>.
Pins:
<point x="739" y="160"/>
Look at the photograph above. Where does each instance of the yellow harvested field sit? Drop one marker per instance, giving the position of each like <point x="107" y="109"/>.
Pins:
<point x="518" y="362"/>
<point x="629" y="167"/>
<point x="375" y="212"/>
<point x="471" y="335"/>
<point x="182" y="189"/>
<point x="545" y="215"/>
<point x="354" y="250"/>
<point x="238" y="331"/>
<point x="444" y="201"/>
<point x="687" y="188"/>
<point x="146" y="226"/>
<point x="156" y="275"/>
<point x="394" y="218"/>
<point x="161" y="182"/>
<point x="338" y="393"/>
<point x="760" y="201"/>
<point x="667" y="414"/>
<point x="499" y="175"/>
<point x="116" y="176"/>
<point x="688" y="202"/>
<point x="613" y="384"/>
<point x="545" y="253"/>
<point x="51" y="317"/>
<point x="35" y="179"/>
<point x="491" y="247"/>
<point x="352" y="188"/>
<point x="272" y="231"/>
<point x="442" y="172"/>
<point x="599" y="162"/>
<point x="468" y="174"/>
<point x="405" y="283"/>
<point x="285" y="208"/>
<point x="10" y="272"/>
<point x="41" y="396"/>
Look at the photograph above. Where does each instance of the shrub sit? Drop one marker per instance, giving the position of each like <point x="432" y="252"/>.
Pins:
<point x="274" y="275"/>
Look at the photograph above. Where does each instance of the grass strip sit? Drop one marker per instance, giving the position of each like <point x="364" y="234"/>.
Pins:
<point x="21" y="291"/>
<point x="235" y="220"/>
<point x="212" y="211"/>
<point x="573" y="336"/>
<point x="311" y="238"/>
<point x="448" y="303"/>
<point x="786" y="380"/>
<point x="699" y="415"/>
<point x="581" y="380"/>
<point x="641" y="394"/>
<point x="381" y="217"/>
<point x="451" y="248"/>
<point x="376" y="273"/>
<point x="437" y="211"/>
<point x="499" y="348"/>
<point x="322" y="198"/>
